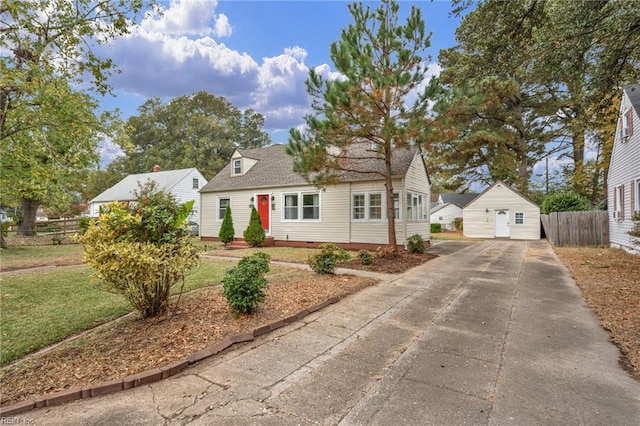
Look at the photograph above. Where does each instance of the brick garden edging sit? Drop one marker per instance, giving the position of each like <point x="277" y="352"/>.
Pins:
<point x="155" y="374"/>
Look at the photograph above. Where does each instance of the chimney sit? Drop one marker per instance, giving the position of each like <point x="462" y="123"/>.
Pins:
<point x="156" y="168"/>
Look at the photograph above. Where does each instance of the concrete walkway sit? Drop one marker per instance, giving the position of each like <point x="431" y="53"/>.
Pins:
<point x="493" y="333"/>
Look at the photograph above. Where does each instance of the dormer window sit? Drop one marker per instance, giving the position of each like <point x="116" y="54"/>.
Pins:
<point x="237" y="167"/>
<point x="626" y="128"/>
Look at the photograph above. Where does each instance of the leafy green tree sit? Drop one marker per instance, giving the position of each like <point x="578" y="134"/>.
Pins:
<point x="382" y="99"/>
<point x="227" y="233"/>
<point x="48" y="129"/>
<point x="569" y="59"/>
<point x="493" y="120"/>
<point x="199" y="130"/>
<point x="254" y="235"/>
<point x="141" y="252"/>
<point x="564" y="202"/>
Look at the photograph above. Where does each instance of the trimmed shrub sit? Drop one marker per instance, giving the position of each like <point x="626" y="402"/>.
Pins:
<point x="415" y="244"/>
<point x="254" y="235"/>
<point x="227" y="233"/>
<point x="243" y="286"/>
<point x="143" y="251"/>
<point x="436" y="228"/>
<point x="366" y="258"/>
<point x="457" y="223"/>
<point x="327" y="259"/>
<point x="564" y="202"/>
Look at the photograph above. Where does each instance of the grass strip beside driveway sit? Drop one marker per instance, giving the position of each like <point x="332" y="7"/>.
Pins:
<point x="44" y="307"/>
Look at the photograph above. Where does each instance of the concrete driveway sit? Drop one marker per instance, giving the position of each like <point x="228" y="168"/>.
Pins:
<point x="491" y="332"/>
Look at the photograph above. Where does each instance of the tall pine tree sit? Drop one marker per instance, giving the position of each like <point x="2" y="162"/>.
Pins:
<point x="382" y="98"/>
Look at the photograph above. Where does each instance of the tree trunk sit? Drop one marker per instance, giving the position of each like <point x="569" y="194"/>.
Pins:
<point x="578" y="161"/>
<point x="27" y="221"/>
<point x="391" y="222"/>
<point x="3" y="243"/>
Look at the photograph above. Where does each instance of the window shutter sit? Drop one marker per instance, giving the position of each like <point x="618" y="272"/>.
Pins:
<point x="630" y="121"/>
<point x="615" y="202"/>
<point x="622" y="202"/>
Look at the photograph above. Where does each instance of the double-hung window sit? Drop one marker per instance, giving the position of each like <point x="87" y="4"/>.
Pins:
<point x="301" y="206"/>
<point x="223" y="203"/>
<point x="359" y="207"/>
<point x="519" y="218"/>
<point x="237" y="167"/>
<point x="618" y="202"/>
<point x="416" y="206"/>
<point x="311" y="206"/>
<point x="291" y="206"/>
<point x="366" y="206"/>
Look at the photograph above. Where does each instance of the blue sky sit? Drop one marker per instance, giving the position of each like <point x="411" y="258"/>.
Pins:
<point x="257" y="54"/>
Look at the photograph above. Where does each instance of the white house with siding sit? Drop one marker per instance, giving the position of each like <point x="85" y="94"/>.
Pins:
<point x="501" y="212"/>
<point x="351" y="213"/>
<point x="448" y="208"/>
<point x="623" y="200"/>
<point x="183" y="184"/>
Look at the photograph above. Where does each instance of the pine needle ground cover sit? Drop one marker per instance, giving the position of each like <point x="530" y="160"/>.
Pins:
<point x="610" y="282"/>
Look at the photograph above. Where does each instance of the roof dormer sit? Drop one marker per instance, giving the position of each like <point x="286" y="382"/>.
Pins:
<point x="240" y="164"/>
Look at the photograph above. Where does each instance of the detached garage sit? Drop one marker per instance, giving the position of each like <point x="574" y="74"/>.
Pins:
<point x="501" y="212"/>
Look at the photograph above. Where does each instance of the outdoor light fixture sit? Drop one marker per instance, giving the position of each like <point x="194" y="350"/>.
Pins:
<point x="486" y="210"/>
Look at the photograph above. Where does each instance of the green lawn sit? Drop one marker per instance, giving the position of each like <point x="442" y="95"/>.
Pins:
<point x="44" y="307"/>
<point x="31" y="256"/>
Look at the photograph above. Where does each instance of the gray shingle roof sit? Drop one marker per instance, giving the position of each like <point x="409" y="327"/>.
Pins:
<point x="633" y="92"/>
<point x="123" y="190"/>
<point x="275" y="168"/>
<point x="459" y="200"/>
<point x="435" y="207"/>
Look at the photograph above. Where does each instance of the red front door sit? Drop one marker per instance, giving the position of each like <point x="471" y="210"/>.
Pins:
<point x="264" y="209"/>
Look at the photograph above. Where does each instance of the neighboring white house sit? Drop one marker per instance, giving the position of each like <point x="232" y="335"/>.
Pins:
<point x="448" y="207"/>
<point x="351" y="213"/>
<point x="623" y="182"/>
<point x="501" y="212"/>
<point x="184" y="184"/>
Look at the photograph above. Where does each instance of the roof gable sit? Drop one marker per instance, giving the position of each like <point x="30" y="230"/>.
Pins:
<point x="633" y="93"/>
<point x="498" y="183"/>
<point x="124" y="190"/>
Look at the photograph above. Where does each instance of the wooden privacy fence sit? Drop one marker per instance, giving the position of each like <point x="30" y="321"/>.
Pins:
<point x="588" y="228"/>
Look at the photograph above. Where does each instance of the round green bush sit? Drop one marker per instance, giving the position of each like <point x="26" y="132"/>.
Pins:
<point x="415" y="243"/>
<point x="365" y="256"/>
<point x="564" y="202"/>
<point x="327" y="259"/>
<point x="243" y="286"/>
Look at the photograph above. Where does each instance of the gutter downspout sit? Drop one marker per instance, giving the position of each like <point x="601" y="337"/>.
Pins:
<point x="403" y="214"/>
<point x="349" y="210"/>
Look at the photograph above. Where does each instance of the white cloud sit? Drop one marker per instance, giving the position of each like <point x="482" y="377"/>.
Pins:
<point x="430" y="70"/>
<point x="182" y="17"/>
<point x="222" y="27"/>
